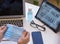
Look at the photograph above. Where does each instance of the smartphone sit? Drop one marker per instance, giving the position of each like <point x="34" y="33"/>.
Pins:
<point x="37" y="38"/>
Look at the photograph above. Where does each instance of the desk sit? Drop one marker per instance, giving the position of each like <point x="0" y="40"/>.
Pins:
<point x="49" y="37"/>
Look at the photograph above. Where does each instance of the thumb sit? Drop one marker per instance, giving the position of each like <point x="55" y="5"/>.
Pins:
<point x="3" y="28"/>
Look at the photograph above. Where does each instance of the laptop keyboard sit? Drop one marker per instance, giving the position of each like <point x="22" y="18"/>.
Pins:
<point x="14" y="22"/>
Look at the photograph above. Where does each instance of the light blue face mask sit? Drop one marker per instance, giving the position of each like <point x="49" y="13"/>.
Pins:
<point x="13" y="32"/>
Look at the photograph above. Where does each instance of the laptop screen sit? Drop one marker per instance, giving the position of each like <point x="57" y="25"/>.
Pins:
<point x="11" y="7"/>
<point x="49" y="15"/>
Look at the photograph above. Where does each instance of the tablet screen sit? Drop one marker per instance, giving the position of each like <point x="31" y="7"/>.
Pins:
<point x="49" y="15"/>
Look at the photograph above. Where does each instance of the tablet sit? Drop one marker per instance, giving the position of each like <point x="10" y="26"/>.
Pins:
<point x="49" y="15"/>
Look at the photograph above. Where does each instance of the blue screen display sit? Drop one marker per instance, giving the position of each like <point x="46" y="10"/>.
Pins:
<point x="49" y="15"/>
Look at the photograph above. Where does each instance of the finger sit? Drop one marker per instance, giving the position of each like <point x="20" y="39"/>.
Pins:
<point x="24" y="33"/>
<point x="2" y="27"/>
<point x="27" y="36"/>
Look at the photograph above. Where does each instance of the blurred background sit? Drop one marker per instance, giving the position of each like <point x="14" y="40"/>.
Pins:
<point x="38" y="2"/>
<point x="35" y="2"/>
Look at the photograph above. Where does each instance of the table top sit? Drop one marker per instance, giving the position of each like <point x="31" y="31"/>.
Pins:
<point x="49" y="37"/>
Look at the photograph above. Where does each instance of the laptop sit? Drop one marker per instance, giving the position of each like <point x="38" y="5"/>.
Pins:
<point x="12" y="12"/>
<point x="49" y="14"/>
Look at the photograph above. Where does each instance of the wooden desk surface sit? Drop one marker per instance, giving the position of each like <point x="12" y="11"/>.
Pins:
<point x="54" y="2"/>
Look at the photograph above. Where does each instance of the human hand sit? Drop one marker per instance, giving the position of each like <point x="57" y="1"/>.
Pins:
<point x="24" y="38"/>
<point x="2" y="30"/>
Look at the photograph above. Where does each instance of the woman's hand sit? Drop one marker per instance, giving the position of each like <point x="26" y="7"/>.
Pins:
<point x="24" y="38"/>
<point x="2" y="30"/>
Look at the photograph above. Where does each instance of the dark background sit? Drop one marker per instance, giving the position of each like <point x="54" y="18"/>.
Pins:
<point x="11" y="7"/>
